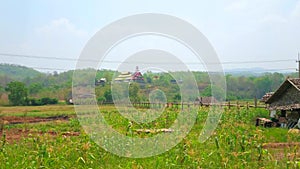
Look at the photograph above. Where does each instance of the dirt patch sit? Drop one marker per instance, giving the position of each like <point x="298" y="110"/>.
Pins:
<point x="20" y="120"/>
<point x="280" y="145"/>
<point x="9" y="111"/>
<point x="279" y="151"/>
<point x="13" y="135"/>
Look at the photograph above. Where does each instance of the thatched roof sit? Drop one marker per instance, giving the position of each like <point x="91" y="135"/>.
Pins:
<point x="287" y="107"/>
<point x="284" y="86"/>
<point x="286" y="97"/>
<point x="295" y="82"/>
<point x="266" y="96"/>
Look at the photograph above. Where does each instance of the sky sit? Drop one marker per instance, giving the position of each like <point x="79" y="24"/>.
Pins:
<point x="244" y="33"/>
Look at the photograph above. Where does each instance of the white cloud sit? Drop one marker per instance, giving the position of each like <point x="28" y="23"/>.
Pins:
<point x="261" y="30"/>
<point x="239" y="29"/>
<point x="58" y="38"/>
<point x="273" y="19"/>
<point x="61" y="25"/>
<point x="296" y="11"/>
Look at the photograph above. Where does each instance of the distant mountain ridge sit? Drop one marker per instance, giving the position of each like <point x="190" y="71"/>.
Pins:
<point x="18" y="72"/>
<point x="255" y="71"/>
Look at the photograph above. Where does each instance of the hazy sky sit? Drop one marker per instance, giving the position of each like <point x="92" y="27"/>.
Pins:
<point x="239" y="30"/>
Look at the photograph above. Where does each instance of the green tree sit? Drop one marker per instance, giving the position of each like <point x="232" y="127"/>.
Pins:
<point x="133" y="92"/>
<point x="34" y="88"/>
<point x="17" y="93"/>
<point x="219" y="93"/>
<point x="263" y="85"/>
<point x="1" y="91"/>
<point x="177" y="97"/>
<point x="101" y="99"/>
<point x="108" y="96"/>
<point x="157" y="96"/>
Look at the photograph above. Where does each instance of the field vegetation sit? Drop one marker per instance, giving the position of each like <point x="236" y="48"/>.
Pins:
<point x="62" y="143"/>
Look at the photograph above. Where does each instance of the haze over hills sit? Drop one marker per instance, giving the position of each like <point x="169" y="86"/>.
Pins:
<point x="241" y="85"/>
<point x="256" y="71"/>
<point x="18" y="72"/>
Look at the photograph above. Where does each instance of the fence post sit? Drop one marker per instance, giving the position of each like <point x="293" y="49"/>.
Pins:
<point x="255" y="102"/>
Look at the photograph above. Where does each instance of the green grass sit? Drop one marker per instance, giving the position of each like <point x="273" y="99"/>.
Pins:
<point x="38" y="111"/>
<point x="236" y="143"/>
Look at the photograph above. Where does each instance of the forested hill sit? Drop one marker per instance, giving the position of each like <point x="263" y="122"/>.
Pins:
<point x="17" y="72"/>
<point x="59" y="85"/>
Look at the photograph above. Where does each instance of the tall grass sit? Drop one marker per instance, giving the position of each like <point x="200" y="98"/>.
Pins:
<point x="236" y="143"/>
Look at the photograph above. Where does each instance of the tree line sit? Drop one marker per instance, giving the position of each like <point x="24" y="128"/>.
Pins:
<point x="50" y="88"/>
<point x="18" y="96"/>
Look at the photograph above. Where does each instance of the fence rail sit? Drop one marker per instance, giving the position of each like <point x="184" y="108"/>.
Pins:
<point x="183" y="105"/>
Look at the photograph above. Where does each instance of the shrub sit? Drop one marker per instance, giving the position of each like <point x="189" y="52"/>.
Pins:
<point x="42" y="101"/>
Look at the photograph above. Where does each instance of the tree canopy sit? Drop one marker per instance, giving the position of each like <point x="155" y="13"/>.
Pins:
<point x="17" y="93"/>
<point x="59" y="85"/>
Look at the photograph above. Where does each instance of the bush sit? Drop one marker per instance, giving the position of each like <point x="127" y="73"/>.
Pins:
<point x="101" y="99"/>
<point x="42" y="101"/>
<point x="33" y="102"/>
<point x="47" y="100"/>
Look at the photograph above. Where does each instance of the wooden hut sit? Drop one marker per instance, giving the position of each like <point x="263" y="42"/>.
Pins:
<point x="286" y="100"/>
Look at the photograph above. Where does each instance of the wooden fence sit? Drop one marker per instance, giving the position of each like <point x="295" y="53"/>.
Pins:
<point x="182" y="105"/>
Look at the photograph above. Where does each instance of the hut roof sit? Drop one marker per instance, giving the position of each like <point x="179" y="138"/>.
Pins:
<point x="287" y="107"/>
<point x="266" y="96"/>
<point x="295" y="82"/>
<point x="290" y="82"/>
